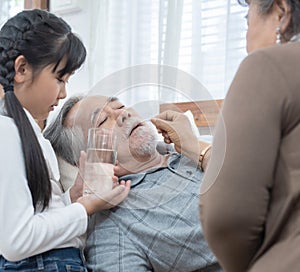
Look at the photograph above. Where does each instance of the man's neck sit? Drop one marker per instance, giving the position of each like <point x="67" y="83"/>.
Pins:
<point x="134" y="166"/>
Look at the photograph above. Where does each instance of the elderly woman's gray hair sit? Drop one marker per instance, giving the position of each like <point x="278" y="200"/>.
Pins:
<point x="67" y="142"/>
<point x="265" y="6"/>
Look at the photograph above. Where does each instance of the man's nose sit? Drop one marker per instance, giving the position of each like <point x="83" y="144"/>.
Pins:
<point x="123" y="115"/>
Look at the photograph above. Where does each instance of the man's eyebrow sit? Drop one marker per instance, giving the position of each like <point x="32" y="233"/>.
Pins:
<point x="95" y="113"/>
<point x="112" y="99"/>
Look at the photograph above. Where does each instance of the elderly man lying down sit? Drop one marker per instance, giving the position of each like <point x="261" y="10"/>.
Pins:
<point x="157" y="227"/>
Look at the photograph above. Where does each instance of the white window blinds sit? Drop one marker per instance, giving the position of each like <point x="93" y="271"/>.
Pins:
<point x="205" y="38"/>
<point x="212" y="42"/>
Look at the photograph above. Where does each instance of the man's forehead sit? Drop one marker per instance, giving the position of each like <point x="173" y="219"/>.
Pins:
<point x="84" y="109"/>
<point x="91" y="102"/>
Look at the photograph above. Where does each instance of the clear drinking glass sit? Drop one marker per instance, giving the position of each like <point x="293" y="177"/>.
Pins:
<point x="101" y="157"/>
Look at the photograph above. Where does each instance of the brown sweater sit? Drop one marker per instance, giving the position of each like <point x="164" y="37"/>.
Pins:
<point x="250" y="206"/>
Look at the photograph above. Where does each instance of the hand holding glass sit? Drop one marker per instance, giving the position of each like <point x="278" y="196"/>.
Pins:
<point x="101" y="157"/>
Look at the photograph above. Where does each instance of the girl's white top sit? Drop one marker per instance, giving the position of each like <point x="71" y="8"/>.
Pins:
<point x="23" y="231"/>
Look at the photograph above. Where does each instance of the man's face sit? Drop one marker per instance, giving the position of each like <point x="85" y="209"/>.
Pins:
<point x="136" y="139"/>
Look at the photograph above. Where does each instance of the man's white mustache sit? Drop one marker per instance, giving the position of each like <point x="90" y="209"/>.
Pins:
<point x="129" y="125"/>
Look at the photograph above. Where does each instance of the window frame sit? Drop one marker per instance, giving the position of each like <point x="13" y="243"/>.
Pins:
<point x="36" y="4"/>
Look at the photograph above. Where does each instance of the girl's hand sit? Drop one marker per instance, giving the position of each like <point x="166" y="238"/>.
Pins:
<point x="107" y="200"/>
<point x="77" y="188"/>
<point x="94" y="202"/>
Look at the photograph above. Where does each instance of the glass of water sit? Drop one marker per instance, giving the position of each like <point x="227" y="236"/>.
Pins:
<point x="101" y="157"/>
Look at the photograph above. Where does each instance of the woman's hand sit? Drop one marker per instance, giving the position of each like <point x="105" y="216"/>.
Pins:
<point x="176" y="128"/>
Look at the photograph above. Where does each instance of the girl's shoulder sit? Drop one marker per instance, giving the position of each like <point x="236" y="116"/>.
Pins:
<point x="8" y="127"/>
<point x="2" y="107"/>
<point x="5" y="121"/>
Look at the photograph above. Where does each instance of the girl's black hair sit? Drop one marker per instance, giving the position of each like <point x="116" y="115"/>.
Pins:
<point x="43" y="39"/>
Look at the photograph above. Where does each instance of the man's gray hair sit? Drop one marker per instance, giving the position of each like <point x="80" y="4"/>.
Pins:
<point x="67" y="142"/>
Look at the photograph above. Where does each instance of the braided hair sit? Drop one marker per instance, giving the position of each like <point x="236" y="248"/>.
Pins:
<point x="43" y="39"/>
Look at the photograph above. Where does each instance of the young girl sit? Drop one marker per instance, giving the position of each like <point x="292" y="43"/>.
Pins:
<point x="39" y="227"/>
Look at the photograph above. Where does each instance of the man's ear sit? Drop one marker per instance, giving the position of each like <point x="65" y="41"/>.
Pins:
<point x="22" y="69"/>
<point x="285" y="16"/>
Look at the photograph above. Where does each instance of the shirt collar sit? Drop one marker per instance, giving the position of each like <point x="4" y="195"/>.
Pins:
<point x="33" y="123"/>
<point x="138" y="177"/>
